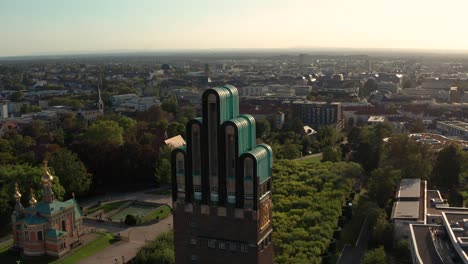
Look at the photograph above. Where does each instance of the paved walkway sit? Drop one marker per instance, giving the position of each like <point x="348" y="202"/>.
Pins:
<point x="138" y="237"/>
<point x="352" y="254"/>
<point x="134" y="237"/>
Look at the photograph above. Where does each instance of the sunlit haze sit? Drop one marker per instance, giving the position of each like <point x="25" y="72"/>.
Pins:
<point x="29" y="27"/>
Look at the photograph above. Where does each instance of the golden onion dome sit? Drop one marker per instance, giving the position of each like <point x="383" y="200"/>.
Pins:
<point x="33" y="200"/>
<point x="17" y="193"/>
<point x="47" y="177"/>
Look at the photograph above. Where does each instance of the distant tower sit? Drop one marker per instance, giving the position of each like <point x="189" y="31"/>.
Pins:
<point x="221" y="187"/>
<point x="207" y="71"/>
<point x="100" y="103"/>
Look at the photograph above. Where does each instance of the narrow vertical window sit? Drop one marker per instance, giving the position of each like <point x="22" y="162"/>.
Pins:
<point x="196" y="162"/>
<point x="230" y="164"/>
<point x="180" y="173"/>
<point x="248" y="182"/>
<point x="213" y="146"/>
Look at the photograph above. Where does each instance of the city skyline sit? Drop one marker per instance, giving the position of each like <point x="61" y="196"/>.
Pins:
<point x="65" y="27"/>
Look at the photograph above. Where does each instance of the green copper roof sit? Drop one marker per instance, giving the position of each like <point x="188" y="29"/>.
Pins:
<point x="229" y="102"/>
<point x="56" y="206"/>
<point x="246" y="130"/>
<point x="54" y="233"/>
<point x="32" y="220"/>
<point x="264" y="157"/>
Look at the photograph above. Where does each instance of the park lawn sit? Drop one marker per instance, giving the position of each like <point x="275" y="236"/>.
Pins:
<point x="107" y="207"/>
<point x="162" y="212"/>
<point x="314" y="158"/>
<point x="103" y="241"/>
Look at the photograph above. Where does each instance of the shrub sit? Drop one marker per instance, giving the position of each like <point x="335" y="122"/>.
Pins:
<point x="130" y="220"/>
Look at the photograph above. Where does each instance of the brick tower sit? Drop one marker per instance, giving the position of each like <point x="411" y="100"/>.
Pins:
<point x="221" y="187"/>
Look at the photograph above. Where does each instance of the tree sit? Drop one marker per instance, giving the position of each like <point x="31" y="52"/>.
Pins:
<point x="407" y="83"/>
<point x="369" y="86"/>
<point x="448" y="166"/>
<point x="382" y="185"/>
<point x="290" y="151"/>
<point x="327" y="136"/>
<point x="331" y="154"/>
<point x="161" y="251"/>
<point x="17" y="96"/>
<point x="375" y="256"/>
<point x="175" y="128"/>
<point x="71" y="171"/>
<point x="130" y="220"/>
<point x="170" y="104"/>
<point x="105" y="131"/>
<point x="412" y="158"/>
<point x="403" y="251"/>
<point x="163" y="172"/>
<point x="27" y="177"/>
<point x="263" y="128"/>
<point x="416" y="126"/>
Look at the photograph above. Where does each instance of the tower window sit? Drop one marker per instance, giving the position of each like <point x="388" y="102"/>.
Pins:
<point x="211" y="243"/>
<point x="222" y="245"/>
<point x="244" y="247"/>
<point x="234" y="246"/>
<point x="64" y="226"/>
<point x="194" y="258"/>
<point x="39" y="235"/>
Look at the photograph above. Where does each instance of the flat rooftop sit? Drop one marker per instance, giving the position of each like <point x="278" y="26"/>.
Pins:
<point x="409" y="188"/>
<point x="455" y="220"/>
<point x="406" y="210"/>
<point x="424" y="243"/>
<point x="377" y="119"/>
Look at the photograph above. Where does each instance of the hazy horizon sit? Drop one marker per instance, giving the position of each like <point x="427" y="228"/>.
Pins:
<point x="54" y="27"/>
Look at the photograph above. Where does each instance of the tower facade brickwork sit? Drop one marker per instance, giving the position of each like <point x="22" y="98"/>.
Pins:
<point x="221" y="186"/>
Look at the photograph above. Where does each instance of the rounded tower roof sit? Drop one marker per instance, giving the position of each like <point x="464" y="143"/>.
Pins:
<point x="47" y="178"/>
<point x="33" y="200"/>
<point x="17" y="194"/>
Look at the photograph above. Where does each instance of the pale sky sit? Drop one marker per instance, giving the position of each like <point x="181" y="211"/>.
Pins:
<point x="29" y="27"/>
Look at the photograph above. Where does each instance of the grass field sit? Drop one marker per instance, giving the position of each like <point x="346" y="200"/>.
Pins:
<point x="312" y="158"/>
<point x="103" y="241"/>
<point x="136" y="209"/>
<point x="107" y="207"/>
<point x="161" y="213"/>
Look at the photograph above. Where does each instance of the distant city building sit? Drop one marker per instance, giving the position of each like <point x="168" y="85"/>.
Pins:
<point x="387" y="87"/>
<point x="221" y="187"/>
<point x="49" y="227"/>
<point x="454" y="95"/>
<point x="316" y="114"/>
<point x="132" y="103"/>
<point x="3" y="110"/>
<point x="453" y="128"/>
<point x="375" y="120"/>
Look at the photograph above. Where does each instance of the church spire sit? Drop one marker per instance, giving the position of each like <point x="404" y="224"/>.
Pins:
<point x="47" y="180"/>
<point x="99" y="103"/>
